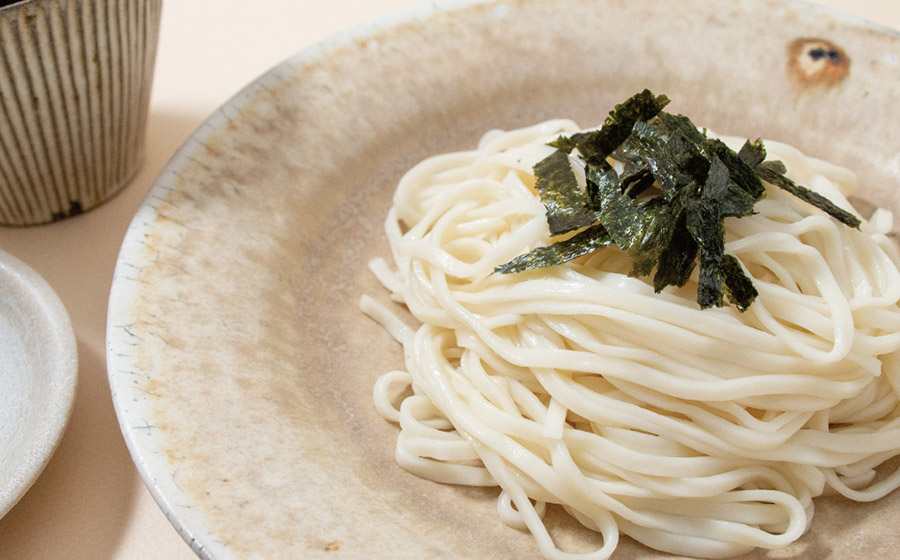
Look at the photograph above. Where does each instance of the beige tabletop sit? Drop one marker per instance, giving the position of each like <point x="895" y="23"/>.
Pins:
<point x="90" y="502"/>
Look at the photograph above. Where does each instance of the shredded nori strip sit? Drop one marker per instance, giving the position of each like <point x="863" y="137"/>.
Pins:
<point x="666" y="209"/>
<point x="678" y="258"/>
<point x="565" y="201"/>
<point x="773" y="172"/>
<point x="582" y="243"/>
<point x="738" y="286"/>
<point x="597" y="145"/>
<point x="752" y="153"/>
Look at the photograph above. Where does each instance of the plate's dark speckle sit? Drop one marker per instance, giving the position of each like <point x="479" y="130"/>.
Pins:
<point x="813" y="62"/>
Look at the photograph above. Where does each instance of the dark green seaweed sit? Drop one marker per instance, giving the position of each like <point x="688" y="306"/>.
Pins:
<point x="666" y="209"/>
<point x="773" y="172"/>
<point x="564" y="200"/>
<point x="582" y="243"/>
<point x="598" y="144"/>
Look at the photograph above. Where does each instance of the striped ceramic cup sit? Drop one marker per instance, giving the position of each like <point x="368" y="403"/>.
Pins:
<point x="75" y="80"/>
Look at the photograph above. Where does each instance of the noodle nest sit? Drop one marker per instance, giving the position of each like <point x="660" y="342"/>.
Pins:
<point x="704" y="433"/>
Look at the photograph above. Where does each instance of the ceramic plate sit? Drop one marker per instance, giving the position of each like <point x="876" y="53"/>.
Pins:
<point x="38" y="372"/>
<point x="240" y="365"/>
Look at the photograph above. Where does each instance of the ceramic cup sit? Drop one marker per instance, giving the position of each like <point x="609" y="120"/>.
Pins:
<point x="75" y="79"/>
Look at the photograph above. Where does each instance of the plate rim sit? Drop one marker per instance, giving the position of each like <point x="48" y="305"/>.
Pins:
<point x="57" y="334"/>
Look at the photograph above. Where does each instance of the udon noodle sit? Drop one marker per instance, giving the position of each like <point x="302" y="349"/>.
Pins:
<point x="699" y="432"/>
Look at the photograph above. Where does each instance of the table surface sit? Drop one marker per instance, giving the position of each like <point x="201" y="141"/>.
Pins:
<point x="90" y="503"/>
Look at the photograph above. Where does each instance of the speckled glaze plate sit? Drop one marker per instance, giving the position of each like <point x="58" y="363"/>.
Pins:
<point x="240" y="365"/>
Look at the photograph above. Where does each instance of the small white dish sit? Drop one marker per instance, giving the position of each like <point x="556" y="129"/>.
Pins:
<point x="38" y="373"/>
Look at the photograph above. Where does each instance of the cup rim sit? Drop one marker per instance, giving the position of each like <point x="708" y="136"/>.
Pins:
<point x="15" y="4"/>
